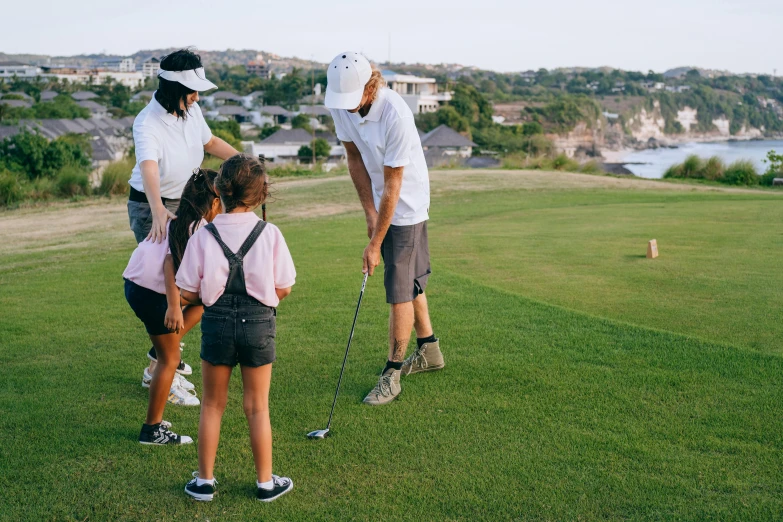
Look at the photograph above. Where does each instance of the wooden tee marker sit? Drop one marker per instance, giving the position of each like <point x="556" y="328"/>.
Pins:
<point x="652" y="249"/>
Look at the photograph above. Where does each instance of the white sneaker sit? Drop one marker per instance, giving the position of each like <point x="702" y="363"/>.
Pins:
<point x="183" y="382"/>
<point x="183" y="368"/>
<point x="179" y="380"/>
<point x="182" y="397"/>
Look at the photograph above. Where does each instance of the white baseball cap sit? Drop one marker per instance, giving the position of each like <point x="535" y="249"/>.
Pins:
<point x="346" y="77"/>
<point x="194" y="79"/>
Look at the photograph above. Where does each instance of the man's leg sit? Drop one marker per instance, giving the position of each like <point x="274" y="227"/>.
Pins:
<point x="401" y="321"/>
<point x="421" y="317"/>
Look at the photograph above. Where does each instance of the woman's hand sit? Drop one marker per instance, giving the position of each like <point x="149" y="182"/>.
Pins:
<point x="160" y="217"/>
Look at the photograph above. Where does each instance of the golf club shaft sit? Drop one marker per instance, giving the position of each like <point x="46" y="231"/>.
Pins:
<point x="350" y="338"/>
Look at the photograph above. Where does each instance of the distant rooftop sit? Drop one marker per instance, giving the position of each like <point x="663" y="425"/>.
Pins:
<point x="288" y="137"/>
<point x="49" y="95"/>
<point x="226" y="95"/>
<point x="391" y="76"/>
<point x="92" y="106"/>
<point x="83" y="95"/>
<point x="232" y="110"/>
<point x="274" y="110"/>
<point x="444" y="136"/>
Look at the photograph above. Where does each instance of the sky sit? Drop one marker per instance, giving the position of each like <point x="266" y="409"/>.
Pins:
<point x="738" y="36"/>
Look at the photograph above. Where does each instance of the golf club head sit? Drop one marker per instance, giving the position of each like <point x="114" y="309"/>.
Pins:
<point x="318" y="434"/>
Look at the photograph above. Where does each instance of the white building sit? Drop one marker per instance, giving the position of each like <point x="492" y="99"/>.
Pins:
<point x="94" y="77"/>
<point x="118" y="64"/>
<point x="18" y="69"/>
<point x="150" y="66"/>
<point x="283" y="146"/>
<point x="421" y="94"/>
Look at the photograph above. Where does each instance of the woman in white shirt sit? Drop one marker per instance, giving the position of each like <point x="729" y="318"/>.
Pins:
<point x="170" y="136"/>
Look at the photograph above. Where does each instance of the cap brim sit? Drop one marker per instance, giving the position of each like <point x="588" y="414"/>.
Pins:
<point x="343" y="100"/>
<point x="198" y="85"/>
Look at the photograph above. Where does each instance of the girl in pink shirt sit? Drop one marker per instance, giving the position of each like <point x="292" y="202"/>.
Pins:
<point x="240" y="268"/>
<point x="154" y="297"/>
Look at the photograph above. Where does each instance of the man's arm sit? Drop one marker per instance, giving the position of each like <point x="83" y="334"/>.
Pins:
<point x="150" y="178"/>
<point x="392" y="183"/>
<point x="218" y="147"/>
<point x="361" y="180"/>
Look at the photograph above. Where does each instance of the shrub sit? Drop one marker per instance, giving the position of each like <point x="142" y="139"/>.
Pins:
<point x="10" y="189"/>
<point x="714" y="169"/>
<point x="563" y="162"/>
<point x="114" y="180"/>
<point x="592" y="167"/>
<point x="73" y="182"/>
<point x="42" y="189"/>
<point x="692" y="167"/>
<point x="741" y="172"/>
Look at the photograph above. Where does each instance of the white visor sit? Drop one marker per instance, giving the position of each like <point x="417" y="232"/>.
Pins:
<point x="192" y="79"/>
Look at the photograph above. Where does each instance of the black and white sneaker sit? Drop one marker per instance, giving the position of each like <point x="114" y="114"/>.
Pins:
<point x="204" y="492"/>
<point x="282" y="485"/>
<point x="160" y="435"/>
<point x="183" y="368"/>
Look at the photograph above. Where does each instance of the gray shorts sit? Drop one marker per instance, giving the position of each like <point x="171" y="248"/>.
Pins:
<point x="406" y="262"/>
<point x="140" y="217"/>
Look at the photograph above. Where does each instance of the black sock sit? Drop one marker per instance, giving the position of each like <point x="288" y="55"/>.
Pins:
<point x="424" y="340"/>
<point x="150" y="427"/>
<point x="392" y="364"/>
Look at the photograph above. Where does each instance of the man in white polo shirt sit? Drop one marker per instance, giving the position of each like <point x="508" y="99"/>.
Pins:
<point x="387" y="166"/>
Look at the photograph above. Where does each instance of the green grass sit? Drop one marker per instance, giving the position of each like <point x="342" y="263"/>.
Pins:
<point x="583" y="382"/>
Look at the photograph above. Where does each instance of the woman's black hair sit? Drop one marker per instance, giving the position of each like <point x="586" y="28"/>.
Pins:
<point x="170" y="94"/>
<point x="195" y="203"/>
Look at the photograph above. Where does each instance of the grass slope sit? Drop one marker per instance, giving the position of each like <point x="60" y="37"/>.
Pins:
<point x="543" y="412"/>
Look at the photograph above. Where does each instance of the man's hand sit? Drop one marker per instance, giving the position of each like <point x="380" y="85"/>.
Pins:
<point x="174" y="320"/>
<point x="371" y="257"/>
<point x="160" y="216"/>
<point x="372" y="220"/>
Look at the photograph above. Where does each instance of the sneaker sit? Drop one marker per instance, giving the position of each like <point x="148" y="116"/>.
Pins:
<point x="183" y="368"/>
<point x="182" y="397"/>
<point x="387" y="389"/>
<point x="282" y="485"/>
<point x="428" y="358"/>
<point x="204" y="492"/>
<point x="146" y="381"/>
<point x="160" y="436"/>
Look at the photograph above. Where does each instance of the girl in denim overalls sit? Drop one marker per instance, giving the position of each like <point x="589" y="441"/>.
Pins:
<point x="240" y="268"/>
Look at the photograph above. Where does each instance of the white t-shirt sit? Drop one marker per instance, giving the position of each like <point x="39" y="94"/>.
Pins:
<point x="177" y="146"/>
<point x="387" y="136"/>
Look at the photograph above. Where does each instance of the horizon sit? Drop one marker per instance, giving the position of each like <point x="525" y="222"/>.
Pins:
<point x="499" y="37"/>
<point x="265" y="52"/>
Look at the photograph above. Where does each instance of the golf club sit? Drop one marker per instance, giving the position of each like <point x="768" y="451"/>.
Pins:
<point x="322" y="434"/>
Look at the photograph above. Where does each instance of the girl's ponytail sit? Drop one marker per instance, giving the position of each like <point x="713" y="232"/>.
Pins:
<point x="196" y="202"/>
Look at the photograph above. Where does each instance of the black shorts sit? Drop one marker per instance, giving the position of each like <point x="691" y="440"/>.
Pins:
<point x="238" y="329"/>
<point x="406" y="262"/>
<point x="149" y="306"/>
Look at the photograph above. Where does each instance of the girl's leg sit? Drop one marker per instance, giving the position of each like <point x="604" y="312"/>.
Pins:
<point x="167" y="349"/>
<point x="255" y="400"/>
<point x="192" y="315"/>
<point x="213" y="404"/>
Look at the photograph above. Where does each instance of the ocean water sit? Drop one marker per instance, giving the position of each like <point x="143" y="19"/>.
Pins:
<point x="654" y="162"/>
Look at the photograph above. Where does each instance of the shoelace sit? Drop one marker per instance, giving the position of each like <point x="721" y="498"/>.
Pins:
<point x="280" y="481"/>
<point x="418" y="358"/>
<point x="385" y="385"/>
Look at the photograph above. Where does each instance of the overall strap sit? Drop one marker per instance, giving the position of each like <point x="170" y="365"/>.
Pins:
<point x="251" y="239"/>
<point x="214" y="231"/>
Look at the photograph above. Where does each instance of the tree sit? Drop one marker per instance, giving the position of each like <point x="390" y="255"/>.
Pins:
<point x="301" y="121"/>
<point x="267" y="130"/>
<point x="322" y="150"/>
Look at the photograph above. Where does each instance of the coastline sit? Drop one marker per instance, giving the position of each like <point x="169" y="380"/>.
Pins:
<point x="619" y="155"/>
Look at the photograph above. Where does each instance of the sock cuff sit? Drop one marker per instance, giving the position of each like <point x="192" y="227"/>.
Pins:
<point x="392" y="364"/>
<point x="266" y="485"/>
<point x="200" y="481"/>
<point x="424" y="340"/>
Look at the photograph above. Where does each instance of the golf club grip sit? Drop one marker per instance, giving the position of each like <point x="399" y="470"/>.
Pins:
<point x="347" y="348"/>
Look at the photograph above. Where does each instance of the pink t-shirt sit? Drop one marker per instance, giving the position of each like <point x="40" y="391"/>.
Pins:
<point x="145" y="267"/>
<point x="268" y="264"/>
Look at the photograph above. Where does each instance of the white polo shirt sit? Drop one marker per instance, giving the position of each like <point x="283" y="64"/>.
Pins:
<point x="177" y="146"/>
<point x="387" y="136"/>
